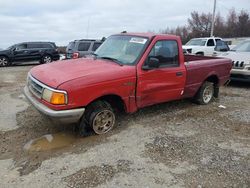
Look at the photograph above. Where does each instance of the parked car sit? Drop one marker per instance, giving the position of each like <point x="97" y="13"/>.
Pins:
<point x="45" y="52"/>
<point x="201" y="46"/>
<point x="232" y="42"/>
<point x="240" y="56"/>
<point x="81" y="48"/>
<point x="128" y="72"/>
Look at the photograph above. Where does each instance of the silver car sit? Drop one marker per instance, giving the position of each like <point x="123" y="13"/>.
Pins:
<point x="81" y="48"/>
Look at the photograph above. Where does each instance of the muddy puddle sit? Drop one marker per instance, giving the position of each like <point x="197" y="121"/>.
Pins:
<point x="50" y="142"/>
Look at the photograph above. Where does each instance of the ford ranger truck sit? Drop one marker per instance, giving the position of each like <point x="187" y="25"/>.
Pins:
<point x="128" y="72"/>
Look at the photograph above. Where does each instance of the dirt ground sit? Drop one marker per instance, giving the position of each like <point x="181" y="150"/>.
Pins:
<point x="176" y="144"/>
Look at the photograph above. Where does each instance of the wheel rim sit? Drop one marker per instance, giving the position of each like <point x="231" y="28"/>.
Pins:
<point x="3" y="61"/>
<point x="208" y="94"/>
<point x="47" y="59"/>
<point x="103" y="122"/>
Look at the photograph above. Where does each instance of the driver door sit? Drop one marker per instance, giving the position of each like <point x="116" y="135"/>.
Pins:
<point x="165" y="83"/>
<point x="21" y="53"/>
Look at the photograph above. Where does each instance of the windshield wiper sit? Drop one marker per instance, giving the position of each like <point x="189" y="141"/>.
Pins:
<point x="112" y="59"/>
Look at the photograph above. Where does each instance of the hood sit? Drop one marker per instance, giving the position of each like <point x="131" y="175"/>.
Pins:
<point x="92" y="70"/>
<point x="189" y="47"/>
<point x="3" y="51"/>
<point x="237" y="56"/>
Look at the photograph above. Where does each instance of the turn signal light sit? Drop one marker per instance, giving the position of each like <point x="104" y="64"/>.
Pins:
<point x="58" y="98"/>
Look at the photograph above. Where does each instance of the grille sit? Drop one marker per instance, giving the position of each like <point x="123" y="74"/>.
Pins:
<point x="238" y="64"/>
<point x="34" y="87"/>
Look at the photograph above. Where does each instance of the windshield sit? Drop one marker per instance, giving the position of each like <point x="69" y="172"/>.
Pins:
<point x="125" y="49"/>
<point x="196" y="42"/>
<point x="10" y="47"/>
<point x="242" y="47"/>
<point x="70" y="46"/>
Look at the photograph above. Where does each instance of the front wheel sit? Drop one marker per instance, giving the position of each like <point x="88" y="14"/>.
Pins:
<point x="99" y="116"/>
<point x="205" y="93"/>
<point x="4" y="61"/>
<point x="46" y="59"/>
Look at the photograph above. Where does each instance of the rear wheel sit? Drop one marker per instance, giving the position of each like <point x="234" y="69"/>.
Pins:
<point x="205" y="93"/>
<point x="99" y="117"/>
<point x="4" y="61"/>
<point x="46" y="59"/>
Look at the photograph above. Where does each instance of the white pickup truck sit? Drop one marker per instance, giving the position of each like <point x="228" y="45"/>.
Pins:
<point x="201" y="46"/>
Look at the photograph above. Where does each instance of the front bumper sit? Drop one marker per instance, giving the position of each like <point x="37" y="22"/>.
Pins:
<point x="240" y="75"/>
<point x="60" y="116"/>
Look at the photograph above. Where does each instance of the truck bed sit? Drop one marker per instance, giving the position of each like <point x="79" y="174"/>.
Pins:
<point x="199" y="68"/>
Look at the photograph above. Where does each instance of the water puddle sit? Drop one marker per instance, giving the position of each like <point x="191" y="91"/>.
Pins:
<point x="50" y="142"/>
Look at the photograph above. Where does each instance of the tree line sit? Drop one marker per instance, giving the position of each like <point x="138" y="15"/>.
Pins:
<point x="199" y="25"/>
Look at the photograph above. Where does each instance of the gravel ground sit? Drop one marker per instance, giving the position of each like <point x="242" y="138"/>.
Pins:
<point x="176" y="144"/>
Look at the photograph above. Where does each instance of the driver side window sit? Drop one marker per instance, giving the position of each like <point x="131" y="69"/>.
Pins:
<point x="166" y="51"/>
<point x="21" y="47"/>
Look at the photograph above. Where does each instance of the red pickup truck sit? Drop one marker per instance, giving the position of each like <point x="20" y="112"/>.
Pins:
<point x="128" y="71"/>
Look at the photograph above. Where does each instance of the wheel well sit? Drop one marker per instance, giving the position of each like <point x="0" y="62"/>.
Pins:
<point x="114" y="100"/>
<point x="199" y="53"/>
<point x="214" y="79"/>
<point x="5" y="56"/>
<point x="46" y="54"/>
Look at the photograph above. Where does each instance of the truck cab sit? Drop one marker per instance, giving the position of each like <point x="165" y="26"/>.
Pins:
<point x="201" y="46"/>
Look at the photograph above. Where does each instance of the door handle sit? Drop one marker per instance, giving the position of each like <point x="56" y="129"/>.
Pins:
<point x="179" y="74"/>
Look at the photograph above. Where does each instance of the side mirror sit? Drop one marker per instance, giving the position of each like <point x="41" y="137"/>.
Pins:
<point x="152" y="64"/>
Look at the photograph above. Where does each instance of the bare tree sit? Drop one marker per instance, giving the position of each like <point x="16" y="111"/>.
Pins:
<point x="243" y="25"/>
<point x="231" y="24"/>
<point x="200" y="24"/>
<point x="219" y="26"/>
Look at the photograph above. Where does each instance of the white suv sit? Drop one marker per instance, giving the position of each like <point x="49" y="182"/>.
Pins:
<point x="201" y="46"/>
<point x="240" y="56"/>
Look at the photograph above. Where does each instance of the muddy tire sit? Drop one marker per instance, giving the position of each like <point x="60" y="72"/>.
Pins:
<point x="99" y="118"/>
<point x="84" y="128"/>
<point x="205" y="93"/>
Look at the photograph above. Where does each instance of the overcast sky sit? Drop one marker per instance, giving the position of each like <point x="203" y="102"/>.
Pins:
<point x="66" y="20"/>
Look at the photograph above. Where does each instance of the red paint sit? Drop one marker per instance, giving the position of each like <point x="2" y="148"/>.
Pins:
<point x="87" y="79"/>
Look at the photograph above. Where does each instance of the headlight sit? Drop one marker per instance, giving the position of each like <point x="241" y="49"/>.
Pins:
<point x="54" y="97"/>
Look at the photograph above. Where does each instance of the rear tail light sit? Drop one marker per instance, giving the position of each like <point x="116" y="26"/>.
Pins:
<point x="75" y="55"/>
